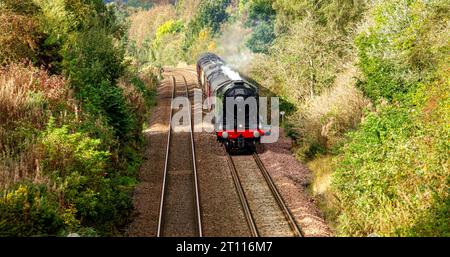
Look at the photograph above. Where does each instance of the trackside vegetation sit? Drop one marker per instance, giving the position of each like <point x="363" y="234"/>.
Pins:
<point x="71" y="115"/>
<point x="364" y="83"/>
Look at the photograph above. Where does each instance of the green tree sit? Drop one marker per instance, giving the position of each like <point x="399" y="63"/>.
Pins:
<point x="211" y="14"/>
<point x="260" y="11"/>
<point x="395" y="54"/>
<point x="261" y="38"/>
<point x="261" y="17"/>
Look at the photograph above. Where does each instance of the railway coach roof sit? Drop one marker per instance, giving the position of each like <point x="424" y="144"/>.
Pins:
<point x="209" y="57"/>
<point x="211" y="68"/>
<point x="212" y="71"/>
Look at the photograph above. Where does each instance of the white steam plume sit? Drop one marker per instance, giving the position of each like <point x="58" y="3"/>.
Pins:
<point x="231" y="73"/>
<point x="231" y="46"/>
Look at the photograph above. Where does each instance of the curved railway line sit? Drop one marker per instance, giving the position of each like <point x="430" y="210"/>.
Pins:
<point x="179" y="210"/>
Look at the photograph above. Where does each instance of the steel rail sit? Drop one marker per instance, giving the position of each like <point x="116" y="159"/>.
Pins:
<point x="196" y="187"/>
<point x="288" y="215"/>
<point x="166" y="164"/>
<point x="243" y="199"/>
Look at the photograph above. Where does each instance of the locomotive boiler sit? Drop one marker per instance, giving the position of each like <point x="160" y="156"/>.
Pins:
<point x="234" y="101"/>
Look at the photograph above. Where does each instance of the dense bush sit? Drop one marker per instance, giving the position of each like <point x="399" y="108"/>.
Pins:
<point x="392" y="178"/>
<point x="210" y="14"/>
<point x="169" y="27"/>
<point x="20" y="35"/>
<point x="28" y="210"/>
<point x="338" y="14"/>
<point x="76" y="164"/>
<point x="392" y="175"/>
<point x="69" y="143"/>
<point x="260" y="11"/>
<point x="302" y="63"/>
<point x="23" y="36"/>
<point x="168" y="42"/>
<point x="94" y="63"/>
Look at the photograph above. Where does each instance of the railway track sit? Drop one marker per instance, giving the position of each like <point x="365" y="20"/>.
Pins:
<point x="263" y="206"/>
<point x="179" y="211"/>
<point x="264" y="209"/>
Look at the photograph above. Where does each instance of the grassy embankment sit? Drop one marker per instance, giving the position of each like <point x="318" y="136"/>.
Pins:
<point x="71" y="115"/>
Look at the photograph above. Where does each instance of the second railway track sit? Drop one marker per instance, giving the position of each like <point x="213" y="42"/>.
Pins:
<point x="179" y="214"/>
<point x="263" y="206"/>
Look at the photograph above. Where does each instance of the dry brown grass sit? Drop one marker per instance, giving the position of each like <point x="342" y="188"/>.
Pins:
<point x="16" y="96"/>
<point x="322" y="168"/>
<point x="25" y="164"/>
<point x="28" y="96"/>
<point x="24" y="89"/>
<point x="189" y="8"/>
<point x="323" y="119"/>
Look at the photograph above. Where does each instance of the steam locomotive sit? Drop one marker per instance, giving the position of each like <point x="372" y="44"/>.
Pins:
<point x="221" y="84"/>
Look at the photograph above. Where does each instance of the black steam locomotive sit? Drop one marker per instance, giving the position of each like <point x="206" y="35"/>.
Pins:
<point x="221" y="84"/>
